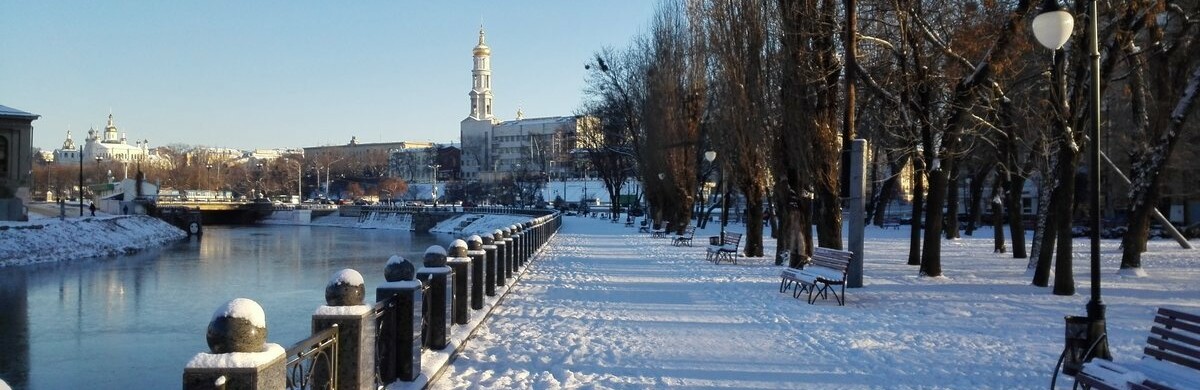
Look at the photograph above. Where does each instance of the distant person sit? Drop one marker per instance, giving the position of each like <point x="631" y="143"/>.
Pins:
<point x="125" y="210"/>
<point x="92" y="208"/>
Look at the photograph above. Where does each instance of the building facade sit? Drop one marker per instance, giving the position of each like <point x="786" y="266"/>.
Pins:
<point x="109" y="145"/>
<point x="493" y="149"/>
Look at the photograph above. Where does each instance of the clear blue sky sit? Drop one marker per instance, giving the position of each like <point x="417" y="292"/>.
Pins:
<point x="268" y="74"/>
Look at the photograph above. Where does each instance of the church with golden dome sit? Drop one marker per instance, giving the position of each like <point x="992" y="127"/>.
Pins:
<point x="493" y="149"/>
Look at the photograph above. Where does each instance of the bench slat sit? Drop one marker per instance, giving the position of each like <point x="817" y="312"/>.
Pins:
<point x="1171" y="353"/>
<point x="1176" y="337"/>
<point x="1188" y="317"/>
<point x="1177" y="324"/>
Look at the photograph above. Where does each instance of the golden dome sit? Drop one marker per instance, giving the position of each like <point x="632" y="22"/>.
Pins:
<point x="482" y="49"/>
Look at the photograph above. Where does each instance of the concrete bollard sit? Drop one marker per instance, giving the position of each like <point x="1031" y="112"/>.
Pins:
<point x="501" y="257"/>
<point x="489" y="265"/>
<point x="399" y="339"/>
<point x="475" y="251"/>
<point x="355" y="321"/>
<point x="461" y="265"/>
<point x="237" y="337"/>
<point x="438" y="280"/>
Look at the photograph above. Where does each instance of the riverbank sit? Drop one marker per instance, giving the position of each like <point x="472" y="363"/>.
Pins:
<point x="464" y="224"/>
<point x="44" y="240"/>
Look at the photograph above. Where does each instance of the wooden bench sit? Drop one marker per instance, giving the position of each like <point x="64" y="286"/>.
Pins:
<point x="661" y="233"/>
<point x="1171" y="359"/>
<point x="685" y="238"/>
<point x="890" y="225"/>
<point x="826" y="269"/>
<point x="724" y="248"/>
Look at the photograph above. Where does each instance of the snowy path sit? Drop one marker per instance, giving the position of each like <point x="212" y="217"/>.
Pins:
<point x="605" y="307"/>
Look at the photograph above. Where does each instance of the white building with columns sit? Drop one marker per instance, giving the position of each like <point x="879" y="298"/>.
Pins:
<point x="493" y="149"/>
<point x="109" y="145"/>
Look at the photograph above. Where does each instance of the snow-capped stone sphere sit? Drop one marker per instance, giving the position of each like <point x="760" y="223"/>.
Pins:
<point x="237" y="326"/>
<point x="345" y="288"/>
<point x="435" y="256"/>
<point x="458" y="248"/>
<point x="399" y="269"/>
<point x="497" y="235"/>
<point x="474" y="242"/>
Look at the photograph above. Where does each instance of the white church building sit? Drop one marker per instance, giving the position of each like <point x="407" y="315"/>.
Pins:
<point x="493" y="149"/>
<point x="107" y="146"/>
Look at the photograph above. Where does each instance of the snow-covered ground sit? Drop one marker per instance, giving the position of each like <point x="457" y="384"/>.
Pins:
<point x="606" y="307"/>
<point x="43" y="239"/>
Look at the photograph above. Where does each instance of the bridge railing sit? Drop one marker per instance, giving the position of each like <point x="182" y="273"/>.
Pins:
<point x="365" y="346"/>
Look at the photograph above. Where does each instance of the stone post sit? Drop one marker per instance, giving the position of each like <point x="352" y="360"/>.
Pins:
<point x="461" y="265"/>
<point x="237" y="336"/>
<point x="518" y="248"/>
<point x="476" y="252"/>
<point x="489" y="265"/>
<point x="509" y="254"/>
<point x="355" y="321"/>
<point x="438" y="280"/>
<point x="501" y="257"/>
<point x="399" y="339"/>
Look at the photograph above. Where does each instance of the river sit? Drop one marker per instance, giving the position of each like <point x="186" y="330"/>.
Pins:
<point x="134" y="321"/>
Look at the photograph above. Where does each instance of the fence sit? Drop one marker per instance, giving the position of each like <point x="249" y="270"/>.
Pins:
<point x="357" y="346"/>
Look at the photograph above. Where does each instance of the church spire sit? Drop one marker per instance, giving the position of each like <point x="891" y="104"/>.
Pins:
<point x="481" y="86"/>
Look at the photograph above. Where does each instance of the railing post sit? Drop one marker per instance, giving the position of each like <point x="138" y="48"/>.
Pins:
<point x="501" y="257"/>
<point x="509" y="253"/>
<point x="238" y="327"/>
<point x="438" y="279"/>
<point x="355" y="321"/>
<point x="489" y="265"/>
<point x="476" y="252"/>
<point x="461" y="265"/>
<point x="518" y="248"/>
<point x="399" y="337"/>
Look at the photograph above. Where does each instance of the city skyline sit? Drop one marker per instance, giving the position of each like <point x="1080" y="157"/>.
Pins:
<point x="377" y="71"/>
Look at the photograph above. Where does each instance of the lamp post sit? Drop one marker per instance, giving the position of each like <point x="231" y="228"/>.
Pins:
<point x="80" y="182"/>
<point x="433" y="169"/>
<point x="1052" y="27"/>
<point x="711" y="156"/>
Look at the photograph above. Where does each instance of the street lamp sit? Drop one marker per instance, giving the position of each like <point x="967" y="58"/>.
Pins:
<point x="1052" y="27"/>
<point x="711" y="156"/>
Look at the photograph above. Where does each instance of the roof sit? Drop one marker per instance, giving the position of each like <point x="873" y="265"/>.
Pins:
<point x="9" y="112"/>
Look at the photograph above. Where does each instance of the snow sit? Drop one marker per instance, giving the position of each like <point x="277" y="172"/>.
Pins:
<point x="348" y="277"/>
<point x="401" y="284"/>
<point x="474" y="225"/>
<point x="271" y="352"/>
<point x="244" y="308"/>
<point x="605" y="307"/>
<point x="342" y="311"/>
<point x="4" y="385"/>
<point x="435" y="250"/>
<point x="458" y="244"/>
<point x="396" y="259"/>
<point x="475" y="238"/>
<point x="44" y="240"/>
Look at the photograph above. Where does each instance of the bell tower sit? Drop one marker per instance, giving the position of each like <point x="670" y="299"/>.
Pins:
<point x="481" y="84"/>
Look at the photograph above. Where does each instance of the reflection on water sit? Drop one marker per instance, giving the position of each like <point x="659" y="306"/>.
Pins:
<point x="134" y="321"/>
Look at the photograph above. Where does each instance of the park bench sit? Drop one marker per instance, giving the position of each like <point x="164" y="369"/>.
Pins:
<point x="645" y="228"/>
<point x="685" y="238"/>
<point x="890" y="225"/>
<point x="724" y="247"/>
<point x="826" y="268"/>
<point x="1171" y="359"/>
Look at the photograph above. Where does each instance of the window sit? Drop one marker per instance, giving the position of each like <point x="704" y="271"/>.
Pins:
<point x="4" y="157"/>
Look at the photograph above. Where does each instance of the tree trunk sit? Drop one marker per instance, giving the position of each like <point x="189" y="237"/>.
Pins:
<point x="952" y="198"/>
<point x="918" y="210"/>
<point x="997" y="204"/>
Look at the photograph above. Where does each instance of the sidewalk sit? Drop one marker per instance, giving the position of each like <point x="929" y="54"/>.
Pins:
<point x="607" y="307"/>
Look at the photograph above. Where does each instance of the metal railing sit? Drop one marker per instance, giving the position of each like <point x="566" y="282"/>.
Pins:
<point x="312" y="363"/>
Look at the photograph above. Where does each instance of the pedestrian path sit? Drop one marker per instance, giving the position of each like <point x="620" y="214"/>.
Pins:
<point x="606" y="307"/>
